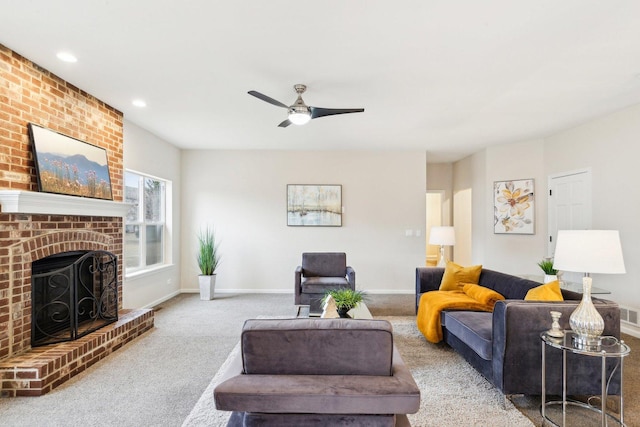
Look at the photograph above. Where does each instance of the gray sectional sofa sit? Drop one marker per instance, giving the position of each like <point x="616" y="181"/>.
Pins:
<point x="312" y="372"/>
<point x="505" y="346"/>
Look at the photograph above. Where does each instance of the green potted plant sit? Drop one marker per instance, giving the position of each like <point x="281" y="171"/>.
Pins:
<point x="208" y="261"/>
<point x="345" y="299"/>
<point x="550" y="273"/>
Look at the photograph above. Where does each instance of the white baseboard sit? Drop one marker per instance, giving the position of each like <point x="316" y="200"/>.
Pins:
<point x="390" y="291"/>
<point x="290" y="291"/>
<point x="163" y="299"/>
<point x="630" y="330"/>
<point x="240" y="291"/>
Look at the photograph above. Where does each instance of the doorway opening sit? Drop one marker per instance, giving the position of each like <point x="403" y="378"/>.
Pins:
<point x="435" y="218"/>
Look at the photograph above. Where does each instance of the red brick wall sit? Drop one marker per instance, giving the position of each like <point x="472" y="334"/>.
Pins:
<point x="29" y="93"/>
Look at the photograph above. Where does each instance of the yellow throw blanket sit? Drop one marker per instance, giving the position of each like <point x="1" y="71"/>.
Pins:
<point x="432" y="303"/>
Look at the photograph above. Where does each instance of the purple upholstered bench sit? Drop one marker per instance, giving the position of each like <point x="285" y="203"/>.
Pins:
<point x="317" y="372"/>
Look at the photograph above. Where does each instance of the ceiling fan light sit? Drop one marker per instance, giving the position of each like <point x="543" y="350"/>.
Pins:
<point x="299" y="118"/>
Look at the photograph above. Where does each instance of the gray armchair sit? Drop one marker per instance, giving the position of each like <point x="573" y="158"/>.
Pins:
<point x="319" y="272"/>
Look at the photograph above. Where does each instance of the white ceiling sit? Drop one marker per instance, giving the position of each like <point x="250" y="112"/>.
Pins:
<point x="449" y="77"/>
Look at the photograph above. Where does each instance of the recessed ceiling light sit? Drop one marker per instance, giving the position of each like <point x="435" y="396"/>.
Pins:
<point x="66" y="57"/>
<point x="139" y="103"/>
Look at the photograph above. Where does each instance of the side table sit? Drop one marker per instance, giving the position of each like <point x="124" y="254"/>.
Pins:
<point x="611" y="347"/>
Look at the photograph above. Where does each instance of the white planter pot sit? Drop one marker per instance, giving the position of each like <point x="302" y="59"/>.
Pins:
<point x="207" y="286"/>
<point x="550" y="278"/>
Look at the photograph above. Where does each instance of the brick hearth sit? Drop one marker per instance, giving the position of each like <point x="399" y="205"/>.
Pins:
<point x="44" y="368"/>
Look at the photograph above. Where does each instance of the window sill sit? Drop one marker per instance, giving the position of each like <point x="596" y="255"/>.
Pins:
<point x="148" y="271"/>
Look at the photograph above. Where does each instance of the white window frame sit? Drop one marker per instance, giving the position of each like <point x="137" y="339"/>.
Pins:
<point x="142" y="223"/>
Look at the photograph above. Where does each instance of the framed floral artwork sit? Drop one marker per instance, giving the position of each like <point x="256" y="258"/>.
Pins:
<point x="514" y="207"/>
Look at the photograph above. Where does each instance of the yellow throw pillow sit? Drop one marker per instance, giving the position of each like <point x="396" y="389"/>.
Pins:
<point x="481" y="294"/>
<point x="455" y="276"/>
<point x="547" y="292"/>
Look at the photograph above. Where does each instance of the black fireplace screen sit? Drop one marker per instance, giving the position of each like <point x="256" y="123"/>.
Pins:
<point x="72" y="294"/>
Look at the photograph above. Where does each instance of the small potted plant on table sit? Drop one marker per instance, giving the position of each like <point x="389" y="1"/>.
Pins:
<point x="550" y="273"/>
<point x="345" y="299"/>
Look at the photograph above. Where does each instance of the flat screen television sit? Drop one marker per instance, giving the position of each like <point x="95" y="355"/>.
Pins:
<point x="65" y="165"/>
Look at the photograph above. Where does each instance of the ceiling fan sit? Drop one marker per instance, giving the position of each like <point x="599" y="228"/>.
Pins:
<point x="300" y="113"/>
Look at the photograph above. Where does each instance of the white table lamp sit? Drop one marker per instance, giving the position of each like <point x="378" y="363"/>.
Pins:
<point x="588" y="251"/>
<point x="443" y="236"/>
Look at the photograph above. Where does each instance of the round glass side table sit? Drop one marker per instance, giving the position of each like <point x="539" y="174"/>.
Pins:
<point x="610" y="347"/>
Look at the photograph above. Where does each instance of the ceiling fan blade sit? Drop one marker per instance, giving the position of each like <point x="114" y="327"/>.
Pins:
<point x="284" y="124"/>
<point x="267" y="99"/>
<point x="321" y="112"/>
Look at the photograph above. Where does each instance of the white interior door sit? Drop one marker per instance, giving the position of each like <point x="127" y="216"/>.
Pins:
<point x="569" y="206"/>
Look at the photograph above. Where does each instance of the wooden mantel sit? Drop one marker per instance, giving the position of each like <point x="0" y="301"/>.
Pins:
<point x="33" y="202"/>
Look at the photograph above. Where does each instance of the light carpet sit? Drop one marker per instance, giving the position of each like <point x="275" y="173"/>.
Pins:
<point x="452" y="392"/>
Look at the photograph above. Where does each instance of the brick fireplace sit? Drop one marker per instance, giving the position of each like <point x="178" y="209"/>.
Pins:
<point x="43" y="224"/>
<point x="27" y="371"/>
<point x="27" y="248"/>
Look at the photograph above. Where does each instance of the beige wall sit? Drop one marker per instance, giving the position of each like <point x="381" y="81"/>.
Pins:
<point x="610" y="146"/>
<point x="469" y="183"/>
<point x="510" y="253"/>
<point x="146" y="153"/>
<point x="439" y="176"/>
<point x="516" y="253"/>
<point x="243" y="193"/>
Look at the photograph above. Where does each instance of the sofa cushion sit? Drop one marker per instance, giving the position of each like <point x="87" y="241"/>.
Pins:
<point x="324" y="264"/>
<point x="473" y="328"/>
<point x="320" y="285"/>
<point x="547" y="292"/>
<point x="433" y="304"/>
<point x="319" y="394"/>
<point x="511" y="287"/>
<point x="456" y="275"/>
<point x="293" y="346"/>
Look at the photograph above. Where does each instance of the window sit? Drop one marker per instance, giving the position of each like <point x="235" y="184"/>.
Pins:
<point x="145" y="224"/>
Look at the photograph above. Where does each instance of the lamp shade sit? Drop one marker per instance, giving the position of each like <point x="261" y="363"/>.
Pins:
<point x="444" y="236"/>
<point x="589" y="251"/>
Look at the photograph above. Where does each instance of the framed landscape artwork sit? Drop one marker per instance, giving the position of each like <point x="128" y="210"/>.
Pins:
<point x="66" y="165"/>
<point x="513" y="207"/>
<point x="314" y="205"/>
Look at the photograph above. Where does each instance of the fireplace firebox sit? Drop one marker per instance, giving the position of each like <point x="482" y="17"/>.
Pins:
<point x="73" y="294"/>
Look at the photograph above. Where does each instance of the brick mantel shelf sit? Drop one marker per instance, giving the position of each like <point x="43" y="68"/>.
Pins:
<point x="33" y="202"/>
